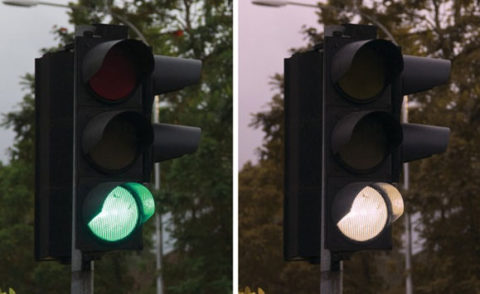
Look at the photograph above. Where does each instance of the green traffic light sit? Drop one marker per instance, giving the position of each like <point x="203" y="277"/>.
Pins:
<point x="118" y="217"/>
<point x="125" y="207"/>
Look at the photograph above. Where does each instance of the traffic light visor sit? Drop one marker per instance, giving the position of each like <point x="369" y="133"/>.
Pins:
<point x="361" y="70"/>
<point x="174" y="73"/>
<point x="112" y="211"/>
<point x="361" y="211"/>
<point x="112" y="141"/>
<point x="362" y="140"/>
<point x="114" y="69"/>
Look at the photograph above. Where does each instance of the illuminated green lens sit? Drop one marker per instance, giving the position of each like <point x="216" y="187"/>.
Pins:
<point x="118" y="216"/>
<point x="146" y="199"/>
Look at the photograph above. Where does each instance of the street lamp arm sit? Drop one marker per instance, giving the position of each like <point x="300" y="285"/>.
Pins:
<point x="281" y="3"/>
<point x="130" y="25"/>
<point x="381" y="26"/>
<point x="53" y="4"/>
<point x="367" y="16"/>
<point x="301" y="4"/>
<point x="30" y="3"/>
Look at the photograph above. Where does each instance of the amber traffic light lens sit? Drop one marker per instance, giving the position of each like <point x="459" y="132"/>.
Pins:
<point x="118" y="146"/>
<point x="368" y="145"/>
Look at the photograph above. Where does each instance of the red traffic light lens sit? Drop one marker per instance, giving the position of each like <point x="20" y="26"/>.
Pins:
<point x="117" y="77"/>
<point x="114" y="69"/>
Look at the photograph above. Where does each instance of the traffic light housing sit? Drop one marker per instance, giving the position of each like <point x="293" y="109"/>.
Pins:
<point x="53" y="155"/>
<point x="116" y="80"/>
<point x="345" y="144"/>
<point x="95" y="141"/>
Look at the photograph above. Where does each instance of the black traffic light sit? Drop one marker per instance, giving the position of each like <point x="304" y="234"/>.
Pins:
<point x="116" y="144"/>
<point x="344" y="140"/>
<point x="95" y="139"/>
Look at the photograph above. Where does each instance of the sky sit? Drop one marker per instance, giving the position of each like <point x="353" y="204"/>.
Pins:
<point x="265" y="35"/>
<point x="24" y="32"/>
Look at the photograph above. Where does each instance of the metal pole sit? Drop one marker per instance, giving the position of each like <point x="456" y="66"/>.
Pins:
<point x="82" y="269"/>
<point x="158" y="216"/>
<point x="331" y="277"/>
<point x="408" y="228"/>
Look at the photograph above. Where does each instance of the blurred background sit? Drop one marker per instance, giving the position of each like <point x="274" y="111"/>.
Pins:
<point x="444" y="196"/>
<point x="195" y="195"/>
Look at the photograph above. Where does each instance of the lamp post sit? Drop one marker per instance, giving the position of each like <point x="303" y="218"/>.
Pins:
<point x="334" y="281"/>
<point x="30" y="3"/>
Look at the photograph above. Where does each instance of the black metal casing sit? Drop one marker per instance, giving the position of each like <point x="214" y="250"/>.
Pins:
<point x="87" y="106"/>
<point x="303" y="156"/>
<point x="53" y="155"/>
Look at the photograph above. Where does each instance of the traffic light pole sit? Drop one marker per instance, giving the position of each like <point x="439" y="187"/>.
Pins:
<point x="408" y="229"/>
<point x="158" y="216"/>
<point x="331" y="273"/>
<point x="82" y="270"/>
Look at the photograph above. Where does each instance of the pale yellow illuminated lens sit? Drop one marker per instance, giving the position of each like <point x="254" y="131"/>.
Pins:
<point x="395" y="198"/>
<point x="367" y="216"/>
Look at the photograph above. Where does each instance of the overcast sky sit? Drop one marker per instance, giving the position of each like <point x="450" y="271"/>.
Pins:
<point x="24" y="32"/>
<point x="265" y="36"/>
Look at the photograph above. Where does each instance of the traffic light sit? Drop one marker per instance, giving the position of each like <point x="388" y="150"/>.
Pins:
<point x="95" y="140"/>
<point x="116" y="144"/>
<point x="345" y="144"/>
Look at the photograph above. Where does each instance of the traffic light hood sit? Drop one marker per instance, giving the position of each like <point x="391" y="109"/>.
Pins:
<point x="114" y="69"/>
<point x="362" y="69"/>
<point x="174" y="73"/>
<point x="422" y="141"/>
<point x="423" y="73"/>
<point x="172" y="141"/>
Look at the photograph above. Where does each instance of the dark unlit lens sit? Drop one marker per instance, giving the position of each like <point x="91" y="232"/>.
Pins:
<point x="118" y="146"/>
<point x="117" y="77"/>
<point x="366" y="76"/>
<point x="367" y="146"/>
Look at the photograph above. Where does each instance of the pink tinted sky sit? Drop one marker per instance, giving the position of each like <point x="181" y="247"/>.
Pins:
<point x="265" y="34"/>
